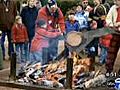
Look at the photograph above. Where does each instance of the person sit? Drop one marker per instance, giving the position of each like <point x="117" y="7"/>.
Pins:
<point x="98" y="18"/>
<point x="52" y="14"/>
<point x="19" y="38"/>
<point x="40" y="41"/>
<point x="29" y="14"/>
<point x="81" y="18"/>
<point x="99" y="13"/>
<point x="1" y="55"/>
<point x="84" y="4"/>
<point x="104" y="44"/>
<point x="8" y="11"/>
<point x="113" y="21"/>
<point x="38" y="4"/>
<point x="71" y="24"/>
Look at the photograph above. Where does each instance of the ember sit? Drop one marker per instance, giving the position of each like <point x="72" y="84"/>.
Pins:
<point x="55" y="73"/>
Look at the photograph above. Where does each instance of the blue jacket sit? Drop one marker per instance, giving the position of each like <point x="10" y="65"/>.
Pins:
<point x="71" y="26"/>
<point x="29" y="16"/>
<point x="83" y="20"/>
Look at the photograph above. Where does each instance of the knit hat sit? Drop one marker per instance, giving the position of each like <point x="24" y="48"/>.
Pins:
<point x="51" y="2"/>
<point x="41" y="22"/>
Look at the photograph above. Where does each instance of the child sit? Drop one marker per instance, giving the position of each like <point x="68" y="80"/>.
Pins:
<point x="1" y="55"/>
<point x="19" y="38"/>
<point x="71" y="24"/>
<point x="104" y="45"/>
<point x="81" y="18"/>
<point x="40" y="41"/>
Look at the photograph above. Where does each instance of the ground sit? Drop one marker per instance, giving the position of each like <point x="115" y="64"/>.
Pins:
<point x="4" y="74"/>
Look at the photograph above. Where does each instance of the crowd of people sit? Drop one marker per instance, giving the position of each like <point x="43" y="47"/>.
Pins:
<point x="36" y="26"/>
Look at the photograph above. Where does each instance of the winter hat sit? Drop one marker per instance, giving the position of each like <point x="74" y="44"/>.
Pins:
<point x="41" y="23"/>
<point x="51" y="2"/>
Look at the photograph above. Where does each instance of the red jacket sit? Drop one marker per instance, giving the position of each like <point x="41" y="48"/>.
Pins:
<point x="40" y="39"/>
<point x="105" y="40"/>
<point x="52" y="21"/>
<point x="19" y="33"/>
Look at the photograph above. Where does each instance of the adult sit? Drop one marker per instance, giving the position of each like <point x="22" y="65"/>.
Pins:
<point x="8" y="11"/>
<point x="38" y="4"/>
<point x="113" y="20"/>
<point x="97" y="15"/>
<point x="84" y="4"/>
<point x="29" y="14"/>
<point x="52" y="14"/>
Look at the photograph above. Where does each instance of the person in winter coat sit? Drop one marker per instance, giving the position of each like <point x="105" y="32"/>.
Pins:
<point x="71" y="24"/>
<point x="113" y="21"/>
<point x="81" y="18"/>
<point x="40" y="41"/>
<point x="19" y="38"/>
<point x="29" y="14"/>
<point x="98" y="18"/>
<point x="52" y="14"/>
<point x="8" y="11"/>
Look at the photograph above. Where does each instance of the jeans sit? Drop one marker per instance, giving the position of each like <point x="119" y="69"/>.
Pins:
<point x="53" y="47"/>
<point x="103" y="54"/>
<point x="1" y="58"/>
<point x="36" y="57"/>
<point x="10" y="44"/>
<point x="20" y="53"/>
<point x="26" y="48"/>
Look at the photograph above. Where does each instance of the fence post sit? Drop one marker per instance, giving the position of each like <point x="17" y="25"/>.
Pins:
<point x="13" y="67"/>
<point x="69" y="73"/>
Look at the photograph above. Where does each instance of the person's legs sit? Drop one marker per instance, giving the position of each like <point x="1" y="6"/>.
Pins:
<point x="10" y="44"/>
<point x="103" y="54"/>
<point x="1" y="59"/>
<point x="17" y="50"/>
<point x="26" y="51"/>
<point x="53" y="47"/>
<point x="35" y="57"/>
<point x="2" y="44"/>
<point x="22" y="53"/>
<point x="112" y="52"/>
<point x="45" y="55"/>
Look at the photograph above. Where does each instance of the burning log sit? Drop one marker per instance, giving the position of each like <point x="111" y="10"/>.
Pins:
<point x="100" y="79"/>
